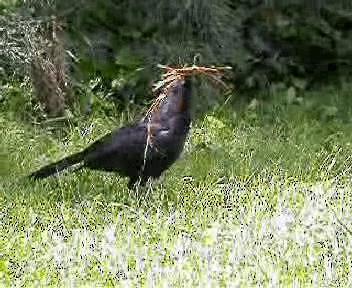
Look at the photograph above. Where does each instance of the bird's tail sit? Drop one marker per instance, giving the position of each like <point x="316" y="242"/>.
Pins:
<point x="58" y="166"/>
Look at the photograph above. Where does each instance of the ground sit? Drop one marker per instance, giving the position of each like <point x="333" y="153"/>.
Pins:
<point x="260" y="196"/>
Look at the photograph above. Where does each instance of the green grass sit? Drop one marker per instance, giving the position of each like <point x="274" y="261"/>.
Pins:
<point x="260" y="197"/>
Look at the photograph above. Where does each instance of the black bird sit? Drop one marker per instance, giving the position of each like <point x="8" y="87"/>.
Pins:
<point x="142" y="150"/>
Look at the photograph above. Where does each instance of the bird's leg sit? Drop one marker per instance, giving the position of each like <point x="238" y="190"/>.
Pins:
<point x="132" y="182"/>
<point x="142" y="181"/>
<point x="137" y="181"/>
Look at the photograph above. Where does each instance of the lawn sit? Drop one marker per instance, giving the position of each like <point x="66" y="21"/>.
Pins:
<point x="261" y="196"/>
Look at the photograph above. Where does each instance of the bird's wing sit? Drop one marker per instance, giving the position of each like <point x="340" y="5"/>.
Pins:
<point x="119" y="149"/>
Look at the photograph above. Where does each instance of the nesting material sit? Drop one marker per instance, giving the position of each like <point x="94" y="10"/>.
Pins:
<point x="172" y="74"/>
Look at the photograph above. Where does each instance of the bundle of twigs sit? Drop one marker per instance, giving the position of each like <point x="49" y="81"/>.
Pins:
<point x="173" y="74"/>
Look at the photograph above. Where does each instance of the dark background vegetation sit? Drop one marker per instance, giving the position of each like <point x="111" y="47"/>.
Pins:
<point x="75" y="54"/>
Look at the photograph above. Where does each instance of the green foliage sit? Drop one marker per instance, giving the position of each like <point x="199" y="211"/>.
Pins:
<point x="18" y="102"/>
<point x="7" y="6"/>
<point x="291" y="42"/>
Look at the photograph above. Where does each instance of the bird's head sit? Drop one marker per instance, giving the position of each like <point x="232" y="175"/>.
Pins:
<point x="179" y="95"/>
